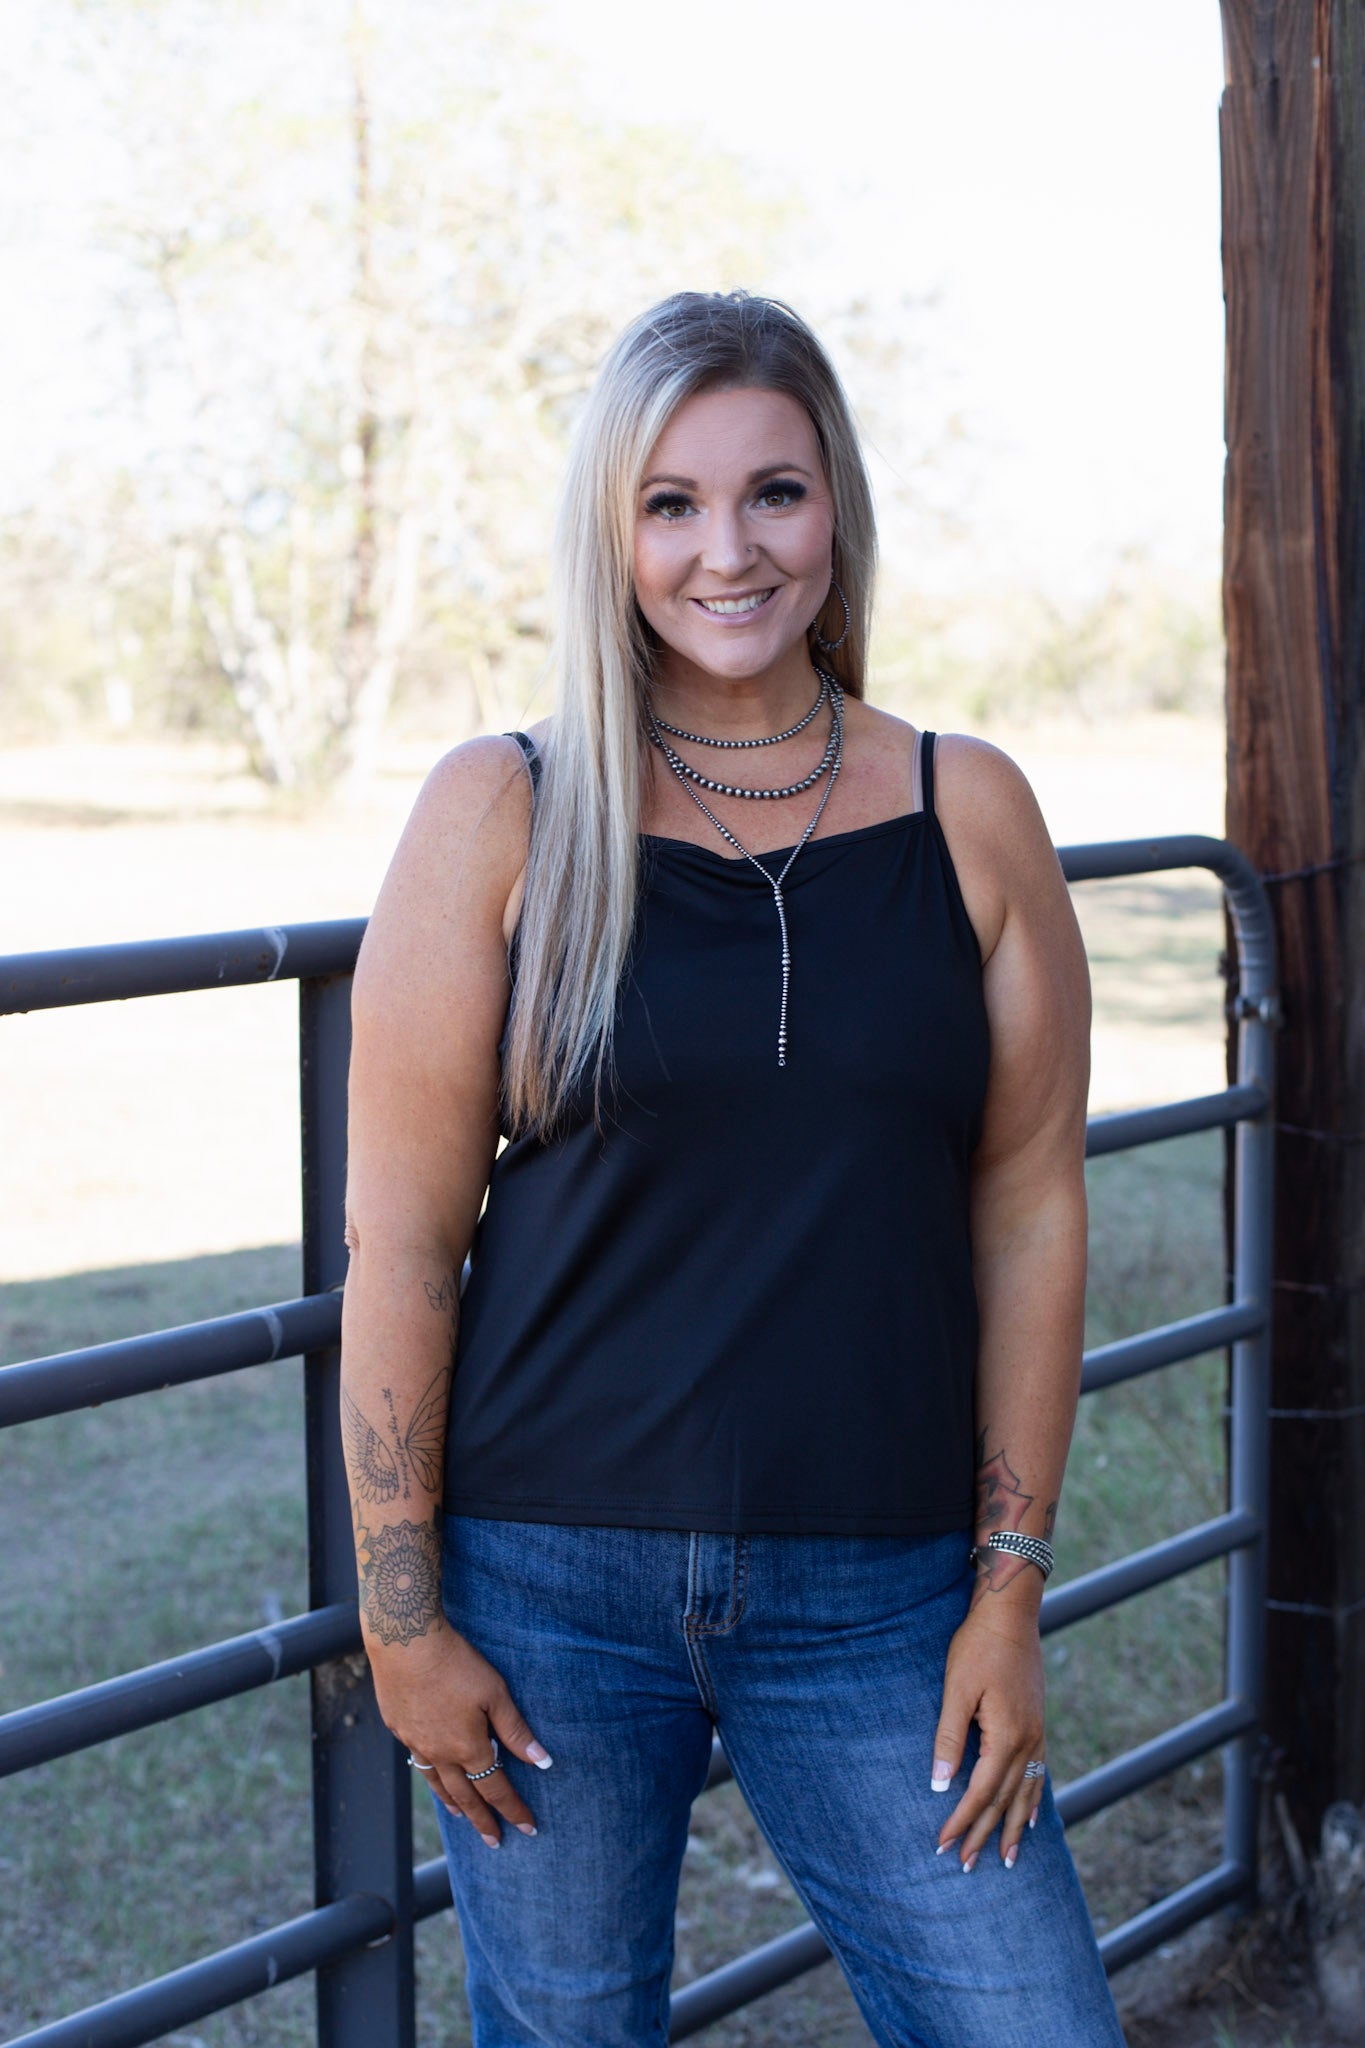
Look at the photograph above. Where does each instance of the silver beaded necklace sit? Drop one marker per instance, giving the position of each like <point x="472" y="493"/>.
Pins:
<point x="833" y="757"/>
<point x="770" y="739"/>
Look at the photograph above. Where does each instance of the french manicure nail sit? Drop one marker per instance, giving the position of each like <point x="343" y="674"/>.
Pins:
<point x="541" y="1758"/>
<point x="523" y="1827"/>
<point x="942" y="1776"/>
<point x="1033" y="1818"/>
<point x="1010" y="1855"/>
<point x="491" y="1840"/>
<point x="970" y="1865"/>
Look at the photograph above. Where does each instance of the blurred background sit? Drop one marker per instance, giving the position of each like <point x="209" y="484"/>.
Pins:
<point x="300" y="301"/>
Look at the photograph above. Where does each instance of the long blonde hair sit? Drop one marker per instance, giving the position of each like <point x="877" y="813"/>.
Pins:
<point x="582" y="877"/>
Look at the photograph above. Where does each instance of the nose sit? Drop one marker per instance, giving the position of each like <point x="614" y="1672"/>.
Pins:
<point x="726" y="548"/>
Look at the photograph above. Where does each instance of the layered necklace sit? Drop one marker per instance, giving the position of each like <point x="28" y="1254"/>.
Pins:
<point x="829" y="767"/>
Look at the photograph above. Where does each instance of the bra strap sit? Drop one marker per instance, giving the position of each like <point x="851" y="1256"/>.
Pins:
<point x="532" y="754"/>
<point x="926" y="771"/>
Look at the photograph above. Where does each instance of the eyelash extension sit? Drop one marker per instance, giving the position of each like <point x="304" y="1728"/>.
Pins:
<point x="661" y="501"/>
<point x="788" y="485"/>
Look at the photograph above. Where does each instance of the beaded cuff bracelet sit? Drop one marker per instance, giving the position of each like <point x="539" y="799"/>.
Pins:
<point x="1031" y="1547"/>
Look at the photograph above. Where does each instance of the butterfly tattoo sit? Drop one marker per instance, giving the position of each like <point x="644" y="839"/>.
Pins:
<point x="383" y="1470"/>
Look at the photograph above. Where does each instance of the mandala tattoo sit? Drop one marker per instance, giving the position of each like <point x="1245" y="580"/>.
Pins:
<point x="381" y="1470"/>
<point x="399" y="1579"/>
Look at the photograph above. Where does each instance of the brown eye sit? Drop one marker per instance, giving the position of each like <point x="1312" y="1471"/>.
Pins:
<point x="776" y="497"/>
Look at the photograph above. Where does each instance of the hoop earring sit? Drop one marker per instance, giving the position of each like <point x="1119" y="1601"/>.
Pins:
<point x="830" y="645"/>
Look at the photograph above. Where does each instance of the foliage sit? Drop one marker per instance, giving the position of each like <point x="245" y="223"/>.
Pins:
<point x="364" y="269"/>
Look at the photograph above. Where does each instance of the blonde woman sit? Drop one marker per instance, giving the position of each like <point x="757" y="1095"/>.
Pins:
<point x="753" y="1414"/>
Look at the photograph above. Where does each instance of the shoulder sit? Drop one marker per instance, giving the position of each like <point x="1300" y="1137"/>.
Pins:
<point x="479" y="789"/>
<point x="459" y="859"/>
<point x="1000" y="844"/>
<point x="879" y="758"/>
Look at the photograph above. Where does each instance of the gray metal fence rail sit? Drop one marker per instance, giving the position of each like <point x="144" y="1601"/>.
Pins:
<point x="358" y="1938"/>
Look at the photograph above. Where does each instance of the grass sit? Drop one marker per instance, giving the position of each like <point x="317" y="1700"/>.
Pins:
<point x="148" y="1527"/>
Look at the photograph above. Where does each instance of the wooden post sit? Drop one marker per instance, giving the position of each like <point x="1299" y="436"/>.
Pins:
<point x="1293" y="149"/>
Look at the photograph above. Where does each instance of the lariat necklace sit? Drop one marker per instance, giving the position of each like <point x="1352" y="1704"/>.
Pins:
<point x="833" y="757"/>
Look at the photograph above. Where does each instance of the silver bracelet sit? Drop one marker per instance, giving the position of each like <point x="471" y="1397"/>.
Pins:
<point x="1034" y="1548"/>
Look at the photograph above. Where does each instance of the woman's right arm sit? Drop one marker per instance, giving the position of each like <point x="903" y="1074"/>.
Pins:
<point x="428" y="1008"/>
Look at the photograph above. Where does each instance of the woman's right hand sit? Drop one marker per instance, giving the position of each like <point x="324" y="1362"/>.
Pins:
<point x="445" y="1702"/>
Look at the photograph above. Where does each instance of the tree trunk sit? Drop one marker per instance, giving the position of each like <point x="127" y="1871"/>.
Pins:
<point x="1294" y="604"/>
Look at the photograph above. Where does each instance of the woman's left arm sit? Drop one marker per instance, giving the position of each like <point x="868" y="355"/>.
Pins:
<point x="1028" y="1225"/>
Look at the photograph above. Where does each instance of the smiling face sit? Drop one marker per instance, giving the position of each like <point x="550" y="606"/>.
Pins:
<point x="734" y="536"/>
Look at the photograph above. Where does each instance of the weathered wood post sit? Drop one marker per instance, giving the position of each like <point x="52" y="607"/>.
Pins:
<point x="1293" y="153"/>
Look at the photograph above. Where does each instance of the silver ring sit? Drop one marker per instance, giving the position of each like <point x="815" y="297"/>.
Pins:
<point x="414" y="1765"/>
<point x="1036" y="1769"/>
<point x="474" y="1776"/>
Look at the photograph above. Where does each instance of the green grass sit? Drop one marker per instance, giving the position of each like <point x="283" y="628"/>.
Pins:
<point x="150" y="1526"/>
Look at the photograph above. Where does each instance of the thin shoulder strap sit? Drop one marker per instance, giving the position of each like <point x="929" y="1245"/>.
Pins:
<point x="533" y="761"/>
<point x="926" y="771"/>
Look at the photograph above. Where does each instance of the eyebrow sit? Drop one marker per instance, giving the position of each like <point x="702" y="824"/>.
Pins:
<point x="755" y="476"/>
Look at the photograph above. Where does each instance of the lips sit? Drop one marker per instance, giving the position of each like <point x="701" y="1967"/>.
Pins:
<point x="734" y="607"/>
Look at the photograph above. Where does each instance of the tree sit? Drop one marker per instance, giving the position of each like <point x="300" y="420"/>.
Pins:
<point x="1293" y="138"/>
<point x="367" y="266"/>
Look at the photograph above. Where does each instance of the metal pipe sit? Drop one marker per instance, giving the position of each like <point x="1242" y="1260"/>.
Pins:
<point x="1249" y="1430"/>
<point x="746" y="1979"/>
<point x="166" y="1358"/>
<point x="362" y="1789"/>
<point x="168" y="2003"/>
<point x="1171" y="1915"/>
<point x="167" y="967"/>
<point x="431" y="1891"/>
<point x="1216" y="1328"/>
<point x="1143" y="1569"/>
<point x="359" y="1845"/>
<point x="1119" y="859"/>
<point x="1126" y="1128"/>
<point x="719" y="1772"/>
<point x="159" y="1692"/>
<point x="1151" y="1760"/>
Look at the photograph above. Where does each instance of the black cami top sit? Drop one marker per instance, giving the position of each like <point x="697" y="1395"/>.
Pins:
<point x="745" y="1303"/>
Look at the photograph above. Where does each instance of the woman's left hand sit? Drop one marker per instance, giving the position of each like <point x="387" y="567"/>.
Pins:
<point x="994" y="1676"/>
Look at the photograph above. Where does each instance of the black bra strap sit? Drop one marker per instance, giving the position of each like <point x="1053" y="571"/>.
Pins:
<point x="532" y="753"/>
<point x="926" y="771"/>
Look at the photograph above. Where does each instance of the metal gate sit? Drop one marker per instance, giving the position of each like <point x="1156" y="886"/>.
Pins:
<point x="358" y="1939"/>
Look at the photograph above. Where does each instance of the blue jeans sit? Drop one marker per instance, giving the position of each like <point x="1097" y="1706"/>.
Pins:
<point x="820" y="1662"/>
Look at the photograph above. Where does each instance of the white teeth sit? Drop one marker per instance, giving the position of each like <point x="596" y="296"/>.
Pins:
<point x="727" y="605"/>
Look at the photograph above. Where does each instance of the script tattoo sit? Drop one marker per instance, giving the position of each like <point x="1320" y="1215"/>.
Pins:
<point x="398" y="1571"/>
<point x="381" y="1473"/>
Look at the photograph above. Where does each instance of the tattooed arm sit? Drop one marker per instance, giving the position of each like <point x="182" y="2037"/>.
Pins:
<point x="1028" y="1226"/>
<point x="428" y="1007"/>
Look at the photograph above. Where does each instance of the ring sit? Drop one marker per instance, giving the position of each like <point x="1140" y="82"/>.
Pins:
<point x="474" y="1776"/>
<point x="413" y="1763"/>
<point x="1036" y="1769"/>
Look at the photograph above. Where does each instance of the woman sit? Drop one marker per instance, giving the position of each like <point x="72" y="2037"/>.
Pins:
<point x="776" y="1302"/>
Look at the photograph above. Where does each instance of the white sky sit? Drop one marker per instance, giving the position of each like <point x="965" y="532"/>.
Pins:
<point x="1050" y="171"/>
<point x="1047" y="171"/>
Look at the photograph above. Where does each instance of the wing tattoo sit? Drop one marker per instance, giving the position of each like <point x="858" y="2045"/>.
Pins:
<point x="371" y="1460"/>
<point x="425" y="1439"/>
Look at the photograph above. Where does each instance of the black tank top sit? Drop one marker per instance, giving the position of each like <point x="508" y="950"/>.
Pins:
<point x="745" y="1303"/>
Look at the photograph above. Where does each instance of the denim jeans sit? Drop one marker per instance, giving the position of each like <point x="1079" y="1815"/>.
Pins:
<point x="819" y="1660"/>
